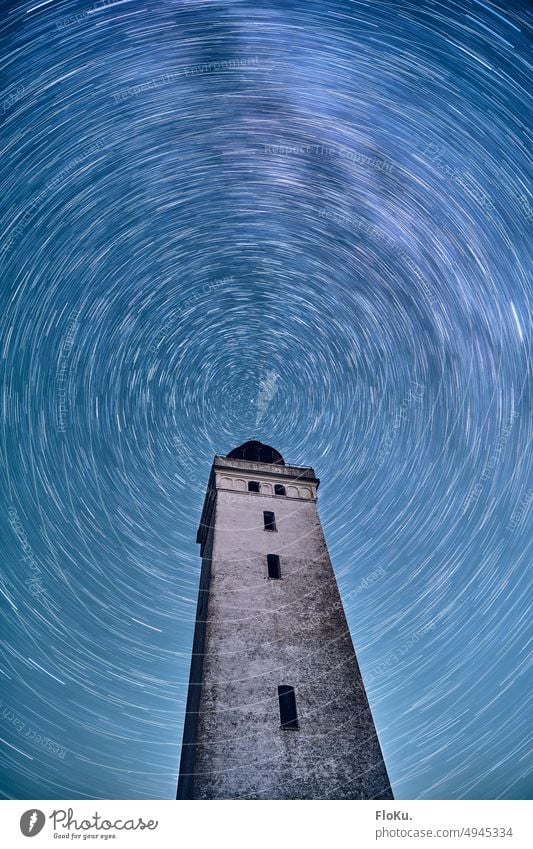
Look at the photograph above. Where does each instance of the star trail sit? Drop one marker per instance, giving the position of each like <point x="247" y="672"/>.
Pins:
<point x="307" y="223"/>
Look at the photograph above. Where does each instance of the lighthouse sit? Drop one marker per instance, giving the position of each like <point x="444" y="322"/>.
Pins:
<point x="276" y="706"/>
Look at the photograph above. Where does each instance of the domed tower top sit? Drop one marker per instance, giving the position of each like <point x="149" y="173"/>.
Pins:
<point x="256" y="452"/>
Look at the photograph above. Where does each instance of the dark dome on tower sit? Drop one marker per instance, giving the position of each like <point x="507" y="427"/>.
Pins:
<point x="256" y="452"/>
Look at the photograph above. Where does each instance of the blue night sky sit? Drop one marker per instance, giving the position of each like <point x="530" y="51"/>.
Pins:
<point x="302" y="222"/>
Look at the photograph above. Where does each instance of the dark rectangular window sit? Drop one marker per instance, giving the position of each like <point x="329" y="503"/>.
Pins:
<point x="279" y="489"/>
<point x="274" y="568"/>
<point x="270" y="520"/>
<point x="287" y="706"/>
<point x="253" y="486"/>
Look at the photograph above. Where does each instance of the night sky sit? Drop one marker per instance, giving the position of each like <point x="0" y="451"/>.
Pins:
<point x="306" y="222"/>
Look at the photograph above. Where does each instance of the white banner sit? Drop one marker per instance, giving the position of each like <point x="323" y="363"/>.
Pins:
<point x="272" y="824"/>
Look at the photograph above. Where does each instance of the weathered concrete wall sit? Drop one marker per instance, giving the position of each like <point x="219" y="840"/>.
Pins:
<point x="190" y="727"/>
<point x="261" y="633"/>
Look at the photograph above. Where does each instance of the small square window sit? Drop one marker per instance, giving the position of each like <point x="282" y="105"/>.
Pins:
<point x="279" y="489"/>
<point x="253" y="486"/>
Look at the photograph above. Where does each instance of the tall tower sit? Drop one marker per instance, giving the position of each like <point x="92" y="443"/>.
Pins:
<point x="276" y="707"/>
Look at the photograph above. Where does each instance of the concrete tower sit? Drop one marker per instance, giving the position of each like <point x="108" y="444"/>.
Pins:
<point x="276" y="706"/>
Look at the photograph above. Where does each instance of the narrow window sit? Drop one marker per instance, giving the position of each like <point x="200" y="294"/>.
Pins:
<point x="253" y="486"/>
<point x="287" y="707"/>
<point x="279" y="489"/>
<point x="270" y="520"/>
<point x="274" y="569"/>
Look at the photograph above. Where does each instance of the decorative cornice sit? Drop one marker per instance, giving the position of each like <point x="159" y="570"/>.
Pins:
<point x="304" y="473"/>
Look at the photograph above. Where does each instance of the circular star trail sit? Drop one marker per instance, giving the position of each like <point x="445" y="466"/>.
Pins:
<point x="302" y="222"/>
